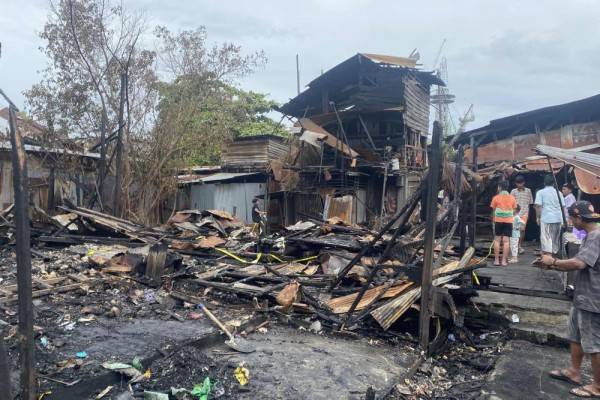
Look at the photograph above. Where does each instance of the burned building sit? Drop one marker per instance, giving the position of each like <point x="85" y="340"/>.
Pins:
<point x="58" y="170"/>
<point x="362" y="129"/>
<point x="242" y="175"/>
<point x="507" y="146"/>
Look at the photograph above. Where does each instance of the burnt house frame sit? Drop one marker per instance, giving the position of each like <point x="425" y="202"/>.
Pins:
<point x="379" y="107"/>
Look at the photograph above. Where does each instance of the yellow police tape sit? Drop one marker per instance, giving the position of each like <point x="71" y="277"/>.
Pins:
<point x="259" y="256"/>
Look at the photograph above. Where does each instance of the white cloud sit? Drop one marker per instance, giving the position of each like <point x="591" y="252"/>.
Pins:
<point x="503" y="56"/>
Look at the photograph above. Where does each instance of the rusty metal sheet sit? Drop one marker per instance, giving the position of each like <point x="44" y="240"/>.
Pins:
<point x="552" y="138"/>
<point x="495" y="151"/>
<point x="524" y="145"/>
<point x="340" y="207"/>
<point x="584" y="134"/>
<point x="340" y="305"/>
<point x="542" y="165"/>
<point x="587" y="182"/>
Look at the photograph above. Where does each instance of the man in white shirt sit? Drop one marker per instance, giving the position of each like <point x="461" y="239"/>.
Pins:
<point x="549" y="205"/>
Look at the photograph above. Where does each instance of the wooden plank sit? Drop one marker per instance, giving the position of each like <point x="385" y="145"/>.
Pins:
<point x="46" y="292"/>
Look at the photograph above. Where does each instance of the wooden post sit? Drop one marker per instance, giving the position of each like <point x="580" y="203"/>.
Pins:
<point x="51" y="201"/>
<point x="460" y="155"/>
<point x="5" y="390"/>
<point x="458" y="179"/>
<point x="475" y="186"/>
<point x="23" y="250"/>
<point x="119" y="150"/>
<point x="562" y="210"/>
<point x="102" y="163"/>
<point x="426" y="271"/>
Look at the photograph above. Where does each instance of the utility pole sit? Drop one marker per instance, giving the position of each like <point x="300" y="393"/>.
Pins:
<point x="298" y="73"/>
<point x="119" y="150"/>
<point x="23" y="250"/>
<point x="426" y="271"/>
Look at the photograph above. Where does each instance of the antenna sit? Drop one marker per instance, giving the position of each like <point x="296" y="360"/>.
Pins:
<point x="442" y="99"/>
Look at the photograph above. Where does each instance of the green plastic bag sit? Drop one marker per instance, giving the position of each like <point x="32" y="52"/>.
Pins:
<point x="202" y="391"/>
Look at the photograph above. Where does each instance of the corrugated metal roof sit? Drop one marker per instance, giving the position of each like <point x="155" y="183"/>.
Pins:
<point x="392" y="60"/>
<point x="225" y="176"/>
<point x="39" y="149"/>
<point x="579" y="111"/>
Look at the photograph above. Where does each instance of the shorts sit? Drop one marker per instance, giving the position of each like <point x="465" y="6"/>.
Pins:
<point x="584" y="328"/>
<point x="550" y="237"/>
<point x="503" y="229"/>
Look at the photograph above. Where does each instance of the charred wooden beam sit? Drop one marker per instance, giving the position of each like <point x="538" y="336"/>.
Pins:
<point x="119" y="150"/>
<point x="23" y="246"/>
<point x="474" y="188"/>
<point x="427" y="270"/>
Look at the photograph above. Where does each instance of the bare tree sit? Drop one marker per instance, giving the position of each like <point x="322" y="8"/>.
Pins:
<point x="89" y="43"/>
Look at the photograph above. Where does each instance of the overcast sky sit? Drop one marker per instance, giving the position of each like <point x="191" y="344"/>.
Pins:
<point x="503" y="56"/>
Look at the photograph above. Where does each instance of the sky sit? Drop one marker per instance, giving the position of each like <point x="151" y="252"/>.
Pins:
<point x="504" y="57"/>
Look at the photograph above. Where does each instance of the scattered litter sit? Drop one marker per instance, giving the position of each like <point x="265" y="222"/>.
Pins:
<point x="242" y="375"/>
<point x="515" y="319"/>
<point x="104" y="392"/>
<point x="202" y="391"/>
<point x="155" y="395"/>
<point x="81" y="354"/>
<point x="137" y="363"/>
<point x="315" y="326"/>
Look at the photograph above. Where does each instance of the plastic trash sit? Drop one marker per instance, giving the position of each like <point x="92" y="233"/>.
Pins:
<point x="155" y="395"/>
<point x="137" y="363"/>
<point x="242" y="375"/>
<point x="81" y="354"/>
<point x="44" y="342"/>
<point x="515" y="318"/>
<point x="451" y="337"/>
<point x="202" y="391"/>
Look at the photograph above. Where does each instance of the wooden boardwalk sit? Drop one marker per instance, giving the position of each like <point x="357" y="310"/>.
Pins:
<point x="523" y="276"/>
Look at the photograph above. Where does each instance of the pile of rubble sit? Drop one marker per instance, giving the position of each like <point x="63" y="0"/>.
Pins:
<point x="320" y="276"/>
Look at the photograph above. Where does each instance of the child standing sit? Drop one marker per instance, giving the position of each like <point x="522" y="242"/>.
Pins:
<point x="518" y="223"/>
<point x="503" y="206"/>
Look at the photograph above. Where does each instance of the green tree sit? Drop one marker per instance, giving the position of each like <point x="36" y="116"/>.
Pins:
<point x="202" y="104"/>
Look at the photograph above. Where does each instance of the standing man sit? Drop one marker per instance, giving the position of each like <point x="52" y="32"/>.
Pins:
<point x="549" y="215"/>
<point x="584" y="319"/>
<point x="524" y="199"/>
<point x="503" y="207"/>
<point x="258" y="217"/>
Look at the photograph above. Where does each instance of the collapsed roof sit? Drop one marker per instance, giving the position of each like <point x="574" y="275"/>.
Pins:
<point x="367" y="82"/>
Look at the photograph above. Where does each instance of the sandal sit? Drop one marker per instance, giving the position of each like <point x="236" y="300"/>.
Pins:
<point x="584" y="393"/>
<point x="561" y="376"/>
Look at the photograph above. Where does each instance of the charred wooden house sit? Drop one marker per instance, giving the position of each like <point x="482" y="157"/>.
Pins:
<point x="362" y="129"/>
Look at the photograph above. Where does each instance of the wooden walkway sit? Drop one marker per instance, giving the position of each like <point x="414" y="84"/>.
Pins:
<point x="523" y="277"/>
